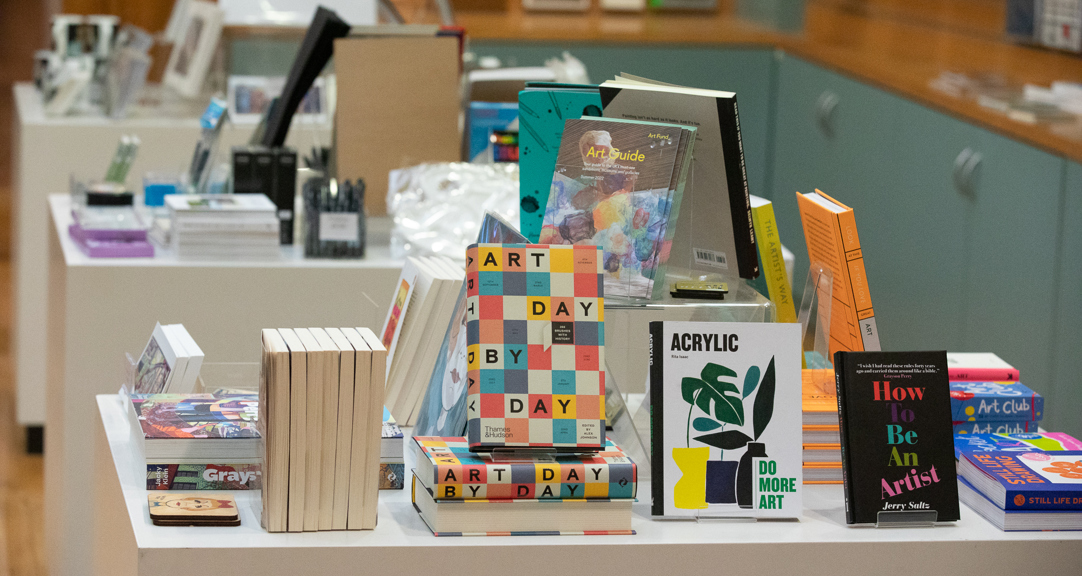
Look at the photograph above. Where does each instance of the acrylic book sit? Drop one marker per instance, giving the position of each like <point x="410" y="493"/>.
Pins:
<point x="995" y="401"/>
<point x="897" y="445"/>
<point x="612" y="187"/>
<point x="542" y="110"/>
<point x="535" y="346"/>
<point x="979" y="367"/>
<point x="448" y="468"/>
<point x="1026" y="481"/>
<point x="1031" y="442"/>
<point x="443" y="407"/>
<point x="725" y="409"/>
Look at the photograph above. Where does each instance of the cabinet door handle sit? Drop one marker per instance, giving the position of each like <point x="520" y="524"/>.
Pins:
<point x="965" y="171"/>
<point x="824" y="111"/>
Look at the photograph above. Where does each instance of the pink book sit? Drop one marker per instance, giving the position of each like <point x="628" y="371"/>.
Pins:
<point x="979" y="367"/>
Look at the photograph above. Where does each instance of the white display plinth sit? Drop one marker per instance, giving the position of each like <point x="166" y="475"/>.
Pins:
<point x="100" y="308"/>
<point x="45" y="152"/>
<point x="820" y="543"/>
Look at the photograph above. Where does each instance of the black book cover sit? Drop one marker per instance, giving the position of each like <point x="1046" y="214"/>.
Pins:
<point x="896" y="434"/>
<point x="657" y="380"/>
<point x="285" y="190"/>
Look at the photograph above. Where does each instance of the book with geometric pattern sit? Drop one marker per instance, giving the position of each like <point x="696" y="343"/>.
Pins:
<point x="451" y="472"/>
<point x="535" y="338"/>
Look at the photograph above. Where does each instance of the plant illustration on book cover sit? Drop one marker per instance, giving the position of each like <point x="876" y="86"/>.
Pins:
<point x="611" y="188"/>
<point x="726" y="419"/>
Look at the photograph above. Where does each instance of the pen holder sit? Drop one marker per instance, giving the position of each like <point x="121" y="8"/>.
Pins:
<point x="334" y="218"/>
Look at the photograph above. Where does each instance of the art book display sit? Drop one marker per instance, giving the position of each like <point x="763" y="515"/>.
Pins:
<point x="897" y="445"/>
<point x="725" y="419"/>
<point x="173" y="428"/>
<point x="535" y="346"/>
<point x="618" y="185"/>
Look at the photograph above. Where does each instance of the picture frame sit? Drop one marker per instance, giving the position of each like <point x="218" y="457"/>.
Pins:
<point x="194" y="50"/>
<point x="250" y="98"/>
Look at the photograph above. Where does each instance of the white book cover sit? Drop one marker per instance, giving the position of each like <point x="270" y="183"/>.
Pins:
<point x="209" y="203"/>
<point x="976" y="360"/>
<point x="180" y="370"/>
<point x="726" y="420"/>
<point x="195" y="360"/>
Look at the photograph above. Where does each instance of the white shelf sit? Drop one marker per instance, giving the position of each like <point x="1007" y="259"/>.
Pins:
<point x="820" y="542"/>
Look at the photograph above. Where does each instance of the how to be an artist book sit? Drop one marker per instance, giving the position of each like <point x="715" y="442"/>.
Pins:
<point x="897" y="447"/>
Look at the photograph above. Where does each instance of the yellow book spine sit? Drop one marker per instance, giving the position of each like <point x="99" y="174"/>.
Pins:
<point x="777" y="281"/>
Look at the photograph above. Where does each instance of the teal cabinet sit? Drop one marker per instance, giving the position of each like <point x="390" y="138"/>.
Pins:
<point x="748" y="72"/>
<point x="1065" y="398"/>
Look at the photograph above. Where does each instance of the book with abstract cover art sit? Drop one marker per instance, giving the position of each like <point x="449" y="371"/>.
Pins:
<point x="1033" y="442"/>
<point x="451" y="472"/>
<point x="443" y="410"/>
<point x="612" y="187"/>
<point x="162" y="416"/>
<point x="535" y="346"/>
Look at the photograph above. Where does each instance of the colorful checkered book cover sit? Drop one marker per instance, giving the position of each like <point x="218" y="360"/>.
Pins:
<point x="535" y="336"/>
<point x="458" y="474"/>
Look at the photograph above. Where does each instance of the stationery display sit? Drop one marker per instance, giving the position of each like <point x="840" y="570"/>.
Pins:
<point x="535" y="346"/>
<point x="458" y="492"/>
<point x="272" y="172"/>
<point x="618" y="184"/>
<point x="1024" y="491"/>
<point x="108" y="231"/>
<point x="334" y="218"/>
<point x="724" y="420"/>
<point x="169" y="364"/>
<point x="127" y="69"/>
<point x="911" y="468"/>
<point x="425" y="296"/>
<point x="727" y="245"/>
<point x="126" y="151"/>
<point x="193" y="510"/>
<point x="320" y="404"/>
<point x="211" y="123"/>
<point x="224" y="227"/>
<point x="830" y="230"/>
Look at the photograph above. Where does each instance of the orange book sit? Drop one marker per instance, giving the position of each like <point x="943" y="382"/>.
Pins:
<point x="830" y="231"/>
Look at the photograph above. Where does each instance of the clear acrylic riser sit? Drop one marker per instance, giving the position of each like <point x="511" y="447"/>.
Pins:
<point x="214" y="377"/>
<point x="627" y="354"/>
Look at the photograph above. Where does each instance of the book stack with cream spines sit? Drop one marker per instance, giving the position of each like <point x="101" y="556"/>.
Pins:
<point x="821" y="438"/>
<point x="224" y="226"/>
<point x="987" y="396"/>
<point x="343" y="448"/>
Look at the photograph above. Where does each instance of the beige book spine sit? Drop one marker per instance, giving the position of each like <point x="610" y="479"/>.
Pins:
<point x="358" y="448"/>
<point x="329" y="435"/>
<point x="344" y="433"/>
<point x="313" y="430"/>
<point x="372" y="433"/>
<point x="298" y="416"/>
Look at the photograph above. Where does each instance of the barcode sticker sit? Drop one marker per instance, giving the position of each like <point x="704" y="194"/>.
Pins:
<point x="711" y="258"/>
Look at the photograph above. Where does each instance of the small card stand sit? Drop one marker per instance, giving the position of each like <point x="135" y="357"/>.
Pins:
<point x="818" y="296"/>
<point x="906" y="519"/>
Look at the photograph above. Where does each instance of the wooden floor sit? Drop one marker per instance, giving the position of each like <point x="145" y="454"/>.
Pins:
<point x="23" y="29"/>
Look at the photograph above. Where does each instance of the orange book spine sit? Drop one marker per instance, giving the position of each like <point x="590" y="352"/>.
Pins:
<point x="857" y="281"/>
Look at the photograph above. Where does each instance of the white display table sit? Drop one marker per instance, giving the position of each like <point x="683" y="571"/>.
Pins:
<point x="820" y="543"/>
<point x="45" y="153"/>
<point x="98" y="309"/>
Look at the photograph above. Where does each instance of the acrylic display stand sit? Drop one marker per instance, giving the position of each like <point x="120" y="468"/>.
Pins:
<point x="214" y="377"/>
<point x="815" y="325"/>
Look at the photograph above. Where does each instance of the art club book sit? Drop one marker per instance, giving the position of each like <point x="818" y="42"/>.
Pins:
<point x="897" y="444"/>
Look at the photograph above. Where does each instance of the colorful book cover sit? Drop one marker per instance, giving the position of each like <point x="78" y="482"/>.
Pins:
<point x="204" y="477"/>
<point x="535" y="346"/>
<point x="979" y="367"/>
<point x="997" y="427"/>
<point x="542" y="111"/>
<point x="611" y="188"/>
<point x="392" y="326"/>
<point x="452" y="472"/>
<point x="443" y="410"/>
<point x="1032" y="442"/>
<point x="196" y="415"/>
<point x="725" y="419"/>
<point x="773" y="280"/>
<point x="995" y="401"/>
<point x="894" y="412"/>
<point x="392" y="475"/>
<point x="1026" y="481"/>
<point x="483" y="119"/>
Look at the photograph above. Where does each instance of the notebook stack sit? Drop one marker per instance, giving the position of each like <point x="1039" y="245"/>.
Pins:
<point x="424" y="298"/>
<point x="1023" y="491"/>
<point x="224" y="227"/>
<point x="987" y="397"/>
<point x="197" y="441"/>
<point x="320" y="404"/>
<point x="822" y="448"/>
<point x="392" y="465"/>
<point x="535" y="459"/>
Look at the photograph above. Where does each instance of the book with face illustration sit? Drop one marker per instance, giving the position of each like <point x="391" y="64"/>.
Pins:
<point x="614" y="186"/>
<point x="189" y="509"/>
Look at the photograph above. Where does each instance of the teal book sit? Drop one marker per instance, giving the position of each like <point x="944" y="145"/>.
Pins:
<point x="542" y="109"/>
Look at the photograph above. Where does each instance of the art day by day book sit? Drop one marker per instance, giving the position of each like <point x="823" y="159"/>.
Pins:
<point x="896" y="438"/>
<point x="535" y="346"/>
<point x="725" y="430"/>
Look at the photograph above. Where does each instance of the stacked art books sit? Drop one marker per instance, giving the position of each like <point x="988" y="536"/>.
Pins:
<point x="822" y="440"/>
<point x="392" y="466"/>
<point x="320" y="402"/>
<point x="224" y="226"/>
<point x="425" y="296"/>
<point x="1039" y="490"/>
<point x="197" y="441"/>
<point x="987" y="398"/>
<point x="534" y="459"/>
<point x="170" y="362"/>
